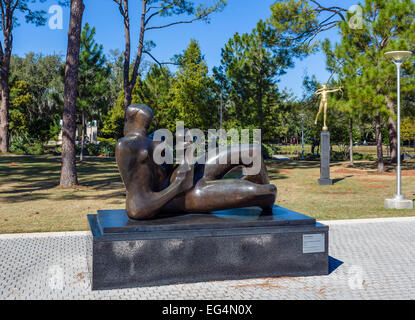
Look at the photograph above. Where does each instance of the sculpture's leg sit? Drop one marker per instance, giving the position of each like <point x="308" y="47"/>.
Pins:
<point x="224" y="194"/>
<point x="212" y="193"/>
<point x="261" y="178"/>
<point x="325" y="116"/>
<point x="213" y="170"/>
<point x="319" y="111"/>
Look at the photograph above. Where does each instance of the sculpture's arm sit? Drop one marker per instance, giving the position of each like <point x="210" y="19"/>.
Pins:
<point x="334" y="90"/>
<point x="318" y="92"/>
<point x="146" y="205"/>
<point x="168" y="167"/>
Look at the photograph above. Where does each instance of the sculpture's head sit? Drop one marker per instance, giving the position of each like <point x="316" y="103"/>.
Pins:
<point x="324" y="86"/>
<point x="137" y="119"/>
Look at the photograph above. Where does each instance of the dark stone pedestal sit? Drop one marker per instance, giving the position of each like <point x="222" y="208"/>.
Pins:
<point x="225" y="245"/>
<point x="325" y="160"/>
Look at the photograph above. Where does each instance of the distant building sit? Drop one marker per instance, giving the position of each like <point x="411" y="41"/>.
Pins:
<point x="91" y="134"/>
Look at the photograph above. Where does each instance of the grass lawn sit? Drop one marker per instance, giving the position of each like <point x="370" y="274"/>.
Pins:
<point x="30" y="200"/>
<point x="358" y="191"/>
<point x="294" y="149"/>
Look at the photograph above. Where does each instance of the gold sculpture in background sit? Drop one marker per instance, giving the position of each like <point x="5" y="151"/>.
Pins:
<point x="323" y="104"/>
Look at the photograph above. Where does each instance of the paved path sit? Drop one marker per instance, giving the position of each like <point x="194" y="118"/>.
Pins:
<point x="378" y="263"/>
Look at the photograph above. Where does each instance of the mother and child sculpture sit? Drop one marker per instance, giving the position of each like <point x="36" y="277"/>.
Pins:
<point x="154" y="189"/>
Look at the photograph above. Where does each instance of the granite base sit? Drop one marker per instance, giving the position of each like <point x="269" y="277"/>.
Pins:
<point x="224" y="245"/>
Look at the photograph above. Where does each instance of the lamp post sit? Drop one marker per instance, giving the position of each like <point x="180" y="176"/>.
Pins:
<point x="302" y="135"/>
<point x="398" y="201"/>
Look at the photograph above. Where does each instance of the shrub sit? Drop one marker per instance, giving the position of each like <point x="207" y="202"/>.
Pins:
<point x="93" y="149"/>
<point x="25" y="144"/>
<point x="357" y="156"/>
<point x="105" y="146"/>
<point x="268" y="150"/>
<point x="109" y="140"/>
<point x="108" y="148"/>
<point x="338" y="156"/>
<point x="368" y="157"/>
<point x="311" y="157"/>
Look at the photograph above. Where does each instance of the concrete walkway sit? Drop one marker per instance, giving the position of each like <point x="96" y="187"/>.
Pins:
<point x="371" y="259"/>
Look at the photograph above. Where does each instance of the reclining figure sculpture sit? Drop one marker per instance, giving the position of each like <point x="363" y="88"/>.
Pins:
<point x="154" y="189"/>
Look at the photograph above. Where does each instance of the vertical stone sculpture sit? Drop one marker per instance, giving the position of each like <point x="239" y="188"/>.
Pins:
<point x="325" y="160"/>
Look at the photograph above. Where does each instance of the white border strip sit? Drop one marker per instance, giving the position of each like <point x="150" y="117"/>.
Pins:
<point x="45" y="235"/>
<point x="87" y="233"/>
<point x="372" y="220"/>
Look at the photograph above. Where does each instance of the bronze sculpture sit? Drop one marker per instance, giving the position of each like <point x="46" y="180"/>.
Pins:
<point x="323" y="104"/>
<point x="154" y="189"/>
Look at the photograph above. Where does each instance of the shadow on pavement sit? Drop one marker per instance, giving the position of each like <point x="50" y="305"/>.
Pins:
<point x="334" y="264"/>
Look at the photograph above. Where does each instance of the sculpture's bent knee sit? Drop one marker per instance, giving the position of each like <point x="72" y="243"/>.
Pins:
<point x="139" y="210"/>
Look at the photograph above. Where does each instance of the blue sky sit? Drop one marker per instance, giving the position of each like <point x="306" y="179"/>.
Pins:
<point x="239" y="16"/>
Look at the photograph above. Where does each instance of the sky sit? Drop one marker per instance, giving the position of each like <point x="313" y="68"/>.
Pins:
<point x="238" y="16"/>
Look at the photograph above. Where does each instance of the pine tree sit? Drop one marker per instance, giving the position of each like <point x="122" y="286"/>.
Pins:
<point x="368" y="76"/>
<point x="69" y="175"/>
<point x="154" y="92"/>
<point x="408" y="130"/>
<point x="252" y="63"/>
<point x="151" y="11"/>
<point x="369" y="79"/>
<point x="93" y="80"/>
<point x="113" y="124"/>
<point x="191" y="92"/>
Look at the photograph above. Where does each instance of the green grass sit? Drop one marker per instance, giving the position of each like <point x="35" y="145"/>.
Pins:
<point x="358" y="192"/>
<point x="30" y="200"/>
<point x="294" y="149"/>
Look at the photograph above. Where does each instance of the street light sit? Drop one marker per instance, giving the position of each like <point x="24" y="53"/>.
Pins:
<point x="398" y="201"/>
<point x="302" y="134"/>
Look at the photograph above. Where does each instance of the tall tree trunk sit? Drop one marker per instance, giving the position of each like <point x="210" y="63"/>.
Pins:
<point x="351" y="142"/>
<point x="4" y="112"/>
<point x="128" y="92"/>
<point x="69" y="175"/>
<point x="130" y="83"/>
<point x="260" y="104"/>
<point x="81" y="158"/>
<point x="379" y="143"/>
<point x="392" y="131"/>
<point x="5" y="89"/>
<point x="127" y="57"/>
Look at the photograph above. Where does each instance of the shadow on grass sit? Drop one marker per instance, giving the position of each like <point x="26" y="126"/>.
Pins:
<point x="363" y="165"/>
<point x="340" y="179"/>
<point x="117" y="194"/>
<point x="32" y="178"/>
<point x="292" y="164"/>
<point x="389" y="167"/>
<point x="27" y="174"/>
<point x="275" y="174"/>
